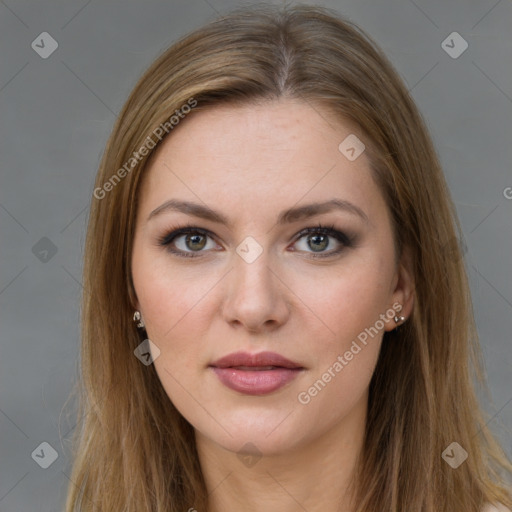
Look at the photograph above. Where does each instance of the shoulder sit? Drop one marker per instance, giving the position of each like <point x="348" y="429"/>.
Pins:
<point x="495" y="508"/>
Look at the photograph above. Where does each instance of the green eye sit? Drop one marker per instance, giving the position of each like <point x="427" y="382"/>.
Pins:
<point x="194" y="239"/>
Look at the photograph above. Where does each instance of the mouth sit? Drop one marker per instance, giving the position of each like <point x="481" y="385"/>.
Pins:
<point x="255" y="374"/>
<point x="254" y="368"/>
<point x="263" y="360"/>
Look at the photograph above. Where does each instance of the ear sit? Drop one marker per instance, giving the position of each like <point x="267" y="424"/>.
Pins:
<point x="404" y="284"/>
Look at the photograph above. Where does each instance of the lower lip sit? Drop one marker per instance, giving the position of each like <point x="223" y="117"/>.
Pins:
<point x="257" y="382"/>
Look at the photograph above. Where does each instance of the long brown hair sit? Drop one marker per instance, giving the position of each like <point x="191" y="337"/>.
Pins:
<point x="133" y="451"/>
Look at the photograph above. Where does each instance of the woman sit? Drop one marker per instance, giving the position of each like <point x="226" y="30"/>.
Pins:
<point x="276" y="313"/>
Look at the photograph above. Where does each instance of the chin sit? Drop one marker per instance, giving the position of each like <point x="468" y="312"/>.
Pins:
<point x="270" y="433"/>
<point x="257" y="443"/>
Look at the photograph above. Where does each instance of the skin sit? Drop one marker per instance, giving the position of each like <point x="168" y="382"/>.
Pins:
<point x="250" y="163"/>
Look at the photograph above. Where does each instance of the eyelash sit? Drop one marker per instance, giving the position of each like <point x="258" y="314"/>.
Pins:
<point x="342" y="238"/>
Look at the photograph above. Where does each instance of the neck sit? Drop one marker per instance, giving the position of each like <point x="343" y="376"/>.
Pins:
<point x="312" y="475"/>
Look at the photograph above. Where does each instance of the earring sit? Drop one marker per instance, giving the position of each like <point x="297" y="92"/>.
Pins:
<point x="399" y="319"/>
<point x="138" y="320"/>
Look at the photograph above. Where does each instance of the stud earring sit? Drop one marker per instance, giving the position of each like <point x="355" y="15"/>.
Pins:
<point x="137" y="318"/>
<point x="399" y="319"/>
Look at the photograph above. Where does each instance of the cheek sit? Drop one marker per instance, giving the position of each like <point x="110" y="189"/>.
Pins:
<point x="343" y="303"/>
<point x="348" y="351"/>
<point x="347" y="340"/>
<point x="168" y="297"/>
<point x="172" y="305"/>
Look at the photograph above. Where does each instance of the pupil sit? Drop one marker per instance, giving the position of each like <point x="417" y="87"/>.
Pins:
<point x="194" y="240"/>
<point x="316" y="237"/>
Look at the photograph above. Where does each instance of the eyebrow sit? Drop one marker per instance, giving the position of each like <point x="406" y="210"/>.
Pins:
<point x="285" y="217"/>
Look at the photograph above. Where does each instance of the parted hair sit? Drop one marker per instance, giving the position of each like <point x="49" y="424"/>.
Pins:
<point x="132" y="450"/>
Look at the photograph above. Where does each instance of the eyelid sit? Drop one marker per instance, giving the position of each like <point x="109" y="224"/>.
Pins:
<point x="327" y="229"/>
<point x="185" y="229"/>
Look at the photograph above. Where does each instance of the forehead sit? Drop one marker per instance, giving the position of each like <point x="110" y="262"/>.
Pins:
<point x="272" y="152"/>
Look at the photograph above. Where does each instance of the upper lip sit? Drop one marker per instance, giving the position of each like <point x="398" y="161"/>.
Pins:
<point x="256" y="360"/>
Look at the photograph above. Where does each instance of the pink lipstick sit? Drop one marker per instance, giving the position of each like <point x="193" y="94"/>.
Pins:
<point x="255" y="374"/>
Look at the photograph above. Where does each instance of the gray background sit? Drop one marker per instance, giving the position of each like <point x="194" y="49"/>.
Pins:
<point x="56" y="115"/>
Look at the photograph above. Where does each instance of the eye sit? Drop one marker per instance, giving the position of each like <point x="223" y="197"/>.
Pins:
<point x="318" y="239"/>
<point x="187" y="240"/>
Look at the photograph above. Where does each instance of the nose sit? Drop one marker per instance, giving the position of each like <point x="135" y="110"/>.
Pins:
<point x="256" y="297"/>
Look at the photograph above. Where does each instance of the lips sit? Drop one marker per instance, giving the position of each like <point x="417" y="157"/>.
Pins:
<point x="263" y="360"/>
<point x="255" y="374"/>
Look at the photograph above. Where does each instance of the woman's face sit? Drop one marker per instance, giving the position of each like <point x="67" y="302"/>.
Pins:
<point x="246" y="181"/>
